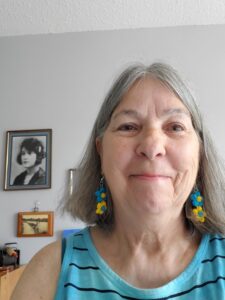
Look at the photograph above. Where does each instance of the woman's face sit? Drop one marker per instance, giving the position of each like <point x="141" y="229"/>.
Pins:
<point x="28" y="158"/>
<point x="150" y="151"/>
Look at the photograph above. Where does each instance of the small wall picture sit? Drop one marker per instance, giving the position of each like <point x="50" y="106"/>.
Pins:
<point x="35" y="224"/>
<point x="28" y="159"/>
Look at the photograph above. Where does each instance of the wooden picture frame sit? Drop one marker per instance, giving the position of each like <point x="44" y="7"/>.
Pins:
<point x="28" y="158"/>
<point x="35" y="224"/>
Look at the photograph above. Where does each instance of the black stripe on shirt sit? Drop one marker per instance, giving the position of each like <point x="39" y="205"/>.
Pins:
<point x="100" y="291"/>
<point x="194" y="287"/>
<point x="212" y="259"/>
<point x="80" y="249"/>
<point x="78" y="234"/>
<point x="217" y="239"/>
<point x="131" y="298"/>
<point x="84" y="268"/>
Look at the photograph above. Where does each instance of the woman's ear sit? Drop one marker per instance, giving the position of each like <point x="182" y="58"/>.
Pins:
<point x="98" y="144"/>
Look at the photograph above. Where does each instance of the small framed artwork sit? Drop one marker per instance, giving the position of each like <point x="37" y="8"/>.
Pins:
<point x="28" y="159"/>
<point x="35" y="224"/>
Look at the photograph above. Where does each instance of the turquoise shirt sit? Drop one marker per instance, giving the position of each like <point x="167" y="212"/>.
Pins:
<point x="85" y="275"/>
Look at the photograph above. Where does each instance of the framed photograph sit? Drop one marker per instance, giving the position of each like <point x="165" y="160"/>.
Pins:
<point x="28" y="159"/>
<point x="35" y="224"/>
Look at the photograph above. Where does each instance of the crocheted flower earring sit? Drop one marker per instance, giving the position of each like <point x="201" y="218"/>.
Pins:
<point x="101" y="198"/>
<point x="197" y="206"/>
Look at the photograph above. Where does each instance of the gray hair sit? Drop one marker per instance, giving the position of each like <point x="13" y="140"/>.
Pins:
<point x="211" y="175"/>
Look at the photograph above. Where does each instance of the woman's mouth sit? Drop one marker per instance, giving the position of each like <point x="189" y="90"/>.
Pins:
<point x="151" y="177"/>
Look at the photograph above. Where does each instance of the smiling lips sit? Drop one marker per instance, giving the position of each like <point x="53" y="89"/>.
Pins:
<point x="151" y="177"/>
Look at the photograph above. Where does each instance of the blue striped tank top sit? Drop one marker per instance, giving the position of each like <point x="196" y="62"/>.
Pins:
<point x="85" y="275"/>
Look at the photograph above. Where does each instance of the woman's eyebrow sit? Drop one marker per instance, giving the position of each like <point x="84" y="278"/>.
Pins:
<point x="129" y="112"/>
<point x="176" y="111"/>
<point x="166" y="112"/>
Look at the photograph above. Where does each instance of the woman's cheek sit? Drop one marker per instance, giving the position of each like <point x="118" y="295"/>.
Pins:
<point x="186" y="157"/>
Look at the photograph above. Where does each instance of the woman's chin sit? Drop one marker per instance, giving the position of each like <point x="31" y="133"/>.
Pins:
<point x="153" y="203"/>
<point x="154" y="209"/>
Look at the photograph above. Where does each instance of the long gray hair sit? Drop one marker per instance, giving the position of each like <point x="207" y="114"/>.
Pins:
<point x="211" y="175"/>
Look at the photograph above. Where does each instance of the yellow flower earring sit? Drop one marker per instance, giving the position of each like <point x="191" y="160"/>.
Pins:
<point x="101" y="198"/>
<point x="197" y="204"/>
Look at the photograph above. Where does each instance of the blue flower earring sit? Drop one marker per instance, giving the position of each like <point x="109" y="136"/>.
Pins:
<point x="197" y="206"/>
<point x="101" y="198"/>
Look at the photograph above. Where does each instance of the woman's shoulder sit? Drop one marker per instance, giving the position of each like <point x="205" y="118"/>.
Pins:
<point x="216" y="242"/>
<point x="213" y="256"/>
<point x="20" y="178"/>
<point x="39" y="177"/>
<point x="48" y="254"/>
<point x="215" y="239"/>
<point x="39" y="280"/>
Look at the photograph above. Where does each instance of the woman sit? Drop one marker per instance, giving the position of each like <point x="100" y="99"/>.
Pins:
<point x="152" y="186"/>
<point x="30" y="157"/>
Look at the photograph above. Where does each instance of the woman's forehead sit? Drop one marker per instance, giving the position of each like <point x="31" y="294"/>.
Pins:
<point x="151" y="92"/>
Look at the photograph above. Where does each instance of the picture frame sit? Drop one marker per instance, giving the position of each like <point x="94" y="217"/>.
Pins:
<point x="35" y="224"/>
<point x="28" y="159"/>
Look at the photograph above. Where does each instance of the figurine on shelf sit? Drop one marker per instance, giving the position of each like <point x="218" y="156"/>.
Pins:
<point x="10" y="255"/>
<point x="11" y="252"/>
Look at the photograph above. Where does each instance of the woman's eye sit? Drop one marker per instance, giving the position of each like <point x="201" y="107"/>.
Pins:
<point x="177" y="127"/>
<point x="127" y="127"/>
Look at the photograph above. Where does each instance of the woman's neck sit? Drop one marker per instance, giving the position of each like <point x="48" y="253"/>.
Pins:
<point x="153" y="238"/>
<point x="157" y="230"/>
<point x="133" y="253"/>
<point x="32" y="170"/>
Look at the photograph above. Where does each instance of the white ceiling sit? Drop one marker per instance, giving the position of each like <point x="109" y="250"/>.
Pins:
<point x="22" y="17"/>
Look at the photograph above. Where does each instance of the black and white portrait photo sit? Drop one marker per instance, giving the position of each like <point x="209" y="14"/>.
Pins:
<point x="28" y="159"/>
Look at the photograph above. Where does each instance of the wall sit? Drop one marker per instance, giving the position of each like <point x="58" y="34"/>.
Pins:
<point x="59" y="81"/>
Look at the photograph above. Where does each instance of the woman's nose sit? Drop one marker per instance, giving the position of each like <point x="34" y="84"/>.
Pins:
<point x="151" y="144"/>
